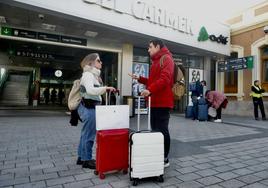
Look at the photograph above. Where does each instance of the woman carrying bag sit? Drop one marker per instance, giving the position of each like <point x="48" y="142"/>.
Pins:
<point x="91" y="90"/>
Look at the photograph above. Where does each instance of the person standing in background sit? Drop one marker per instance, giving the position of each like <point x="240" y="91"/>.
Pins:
<point x="257" y="99"/>
<point x="218" y="101"/>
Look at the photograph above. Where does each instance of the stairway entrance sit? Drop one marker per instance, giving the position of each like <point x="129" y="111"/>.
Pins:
<point x="16" y="89"/>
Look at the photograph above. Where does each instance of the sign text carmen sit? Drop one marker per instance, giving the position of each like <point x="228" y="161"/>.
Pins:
<point x="144" y="11"/>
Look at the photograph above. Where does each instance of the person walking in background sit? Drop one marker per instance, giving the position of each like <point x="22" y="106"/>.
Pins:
<point x="61" y="95"/>
<point x="196" y="92"/>
<point x="204" y="87"/>
<point x="218" y="101"/>
<point x="46" y="95"/>
<point x="159" y="87"/>
<point x="257" y="99"/>
<point x="91" y="90"/>
<point x="53" y="95"/>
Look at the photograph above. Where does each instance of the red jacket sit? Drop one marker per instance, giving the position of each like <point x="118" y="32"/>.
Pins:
<point x="160" y="80"/>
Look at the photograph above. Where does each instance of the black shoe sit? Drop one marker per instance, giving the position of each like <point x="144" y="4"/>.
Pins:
<point x="264" y="119"/>
<point x="257" y="119"/>
<point x="79" y="161"/>
<point x="91" y="164"/>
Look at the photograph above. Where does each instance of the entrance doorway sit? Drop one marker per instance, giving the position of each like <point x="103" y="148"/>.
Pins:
<point x="53" y="67"/>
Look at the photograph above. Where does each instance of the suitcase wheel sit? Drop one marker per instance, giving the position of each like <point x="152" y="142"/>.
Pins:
<point x="102" y="176"/>
<point x="125" y="171"/>
<point x="135" y="182"/>
<point x="160" y="179"/>
<point x="96" y="172"/>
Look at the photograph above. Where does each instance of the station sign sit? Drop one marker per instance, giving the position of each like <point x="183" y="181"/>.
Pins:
<point x="236" y="64"/>
<point x="42" y="36"/>
<point x="48" y="37"/>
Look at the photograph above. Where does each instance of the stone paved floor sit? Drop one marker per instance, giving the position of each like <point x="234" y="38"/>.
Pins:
<point x="39" y="150"/>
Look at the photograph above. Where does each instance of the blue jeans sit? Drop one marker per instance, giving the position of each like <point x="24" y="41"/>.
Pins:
<point x="88" y="132"/>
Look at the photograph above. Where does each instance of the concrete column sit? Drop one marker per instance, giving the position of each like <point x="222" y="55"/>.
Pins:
<point x="127" y="62"/>
<point x="207" y="68"/>
<point x="219" y="78"/>
<point x="240" y="92"/>
<point x="240" y="76"/>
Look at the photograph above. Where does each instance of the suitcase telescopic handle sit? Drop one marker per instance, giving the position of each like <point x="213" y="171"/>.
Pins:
<point x="149" y="113"/>
<point x="108" y="97"/>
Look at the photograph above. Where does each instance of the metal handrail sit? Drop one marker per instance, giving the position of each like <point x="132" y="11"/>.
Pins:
<point x="3" y="81"/>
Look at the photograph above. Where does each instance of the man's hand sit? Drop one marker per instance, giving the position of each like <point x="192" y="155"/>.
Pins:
<point x="134" y="76"/>
<point x="145" y="93"/>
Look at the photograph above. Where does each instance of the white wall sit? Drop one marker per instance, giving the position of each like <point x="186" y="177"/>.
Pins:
<point x="127" y="62"/>
<point x="129" y="14"/>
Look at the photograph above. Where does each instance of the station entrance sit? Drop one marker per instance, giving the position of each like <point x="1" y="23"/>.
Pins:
<point x="42" y="74"/>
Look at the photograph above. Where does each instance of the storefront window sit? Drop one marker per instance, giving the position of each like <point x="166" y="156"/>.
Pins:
<point x="196" y="62"/>
<point x="264" y="64"/>
<point x="141" y="66"/>
<point x="231" y="78"/>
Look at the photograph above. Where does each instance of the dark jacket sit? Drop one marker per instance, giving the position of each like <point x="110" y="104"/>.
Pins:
<point x="199" y="90"/>
<point x="260" y="91"/>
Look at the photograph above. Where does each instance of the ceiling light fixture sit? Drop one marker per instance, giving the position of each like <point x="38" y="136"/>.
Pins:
<point x="91" y="34"/>
<point x="3" y="19"/>
<point x="48" y="27"/>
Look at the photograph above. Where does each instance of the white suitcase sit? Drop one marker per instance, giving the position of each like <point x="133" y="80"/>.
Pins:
<point x="146" y="152"/>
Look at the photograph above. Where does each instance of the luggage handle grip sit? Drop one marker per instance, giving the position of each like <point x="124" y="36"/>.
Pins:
<point x="108" y="96"/>
<point x="144" y="131"/>
<point x="149" y="113"/>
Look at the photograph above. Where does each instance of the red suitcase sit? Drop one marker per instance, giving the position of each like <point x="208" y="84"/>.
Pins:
<point x="112" y="151"/>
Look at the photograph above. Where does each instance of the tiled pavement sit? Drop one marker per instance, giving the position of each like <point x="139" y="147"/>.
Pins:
<point x="39" y="150"/>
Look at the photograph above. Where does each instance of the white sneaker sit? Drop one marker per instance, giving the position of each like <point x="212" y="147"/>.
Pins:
<point x="166" y="163"/>
<point x="218" y="121"/>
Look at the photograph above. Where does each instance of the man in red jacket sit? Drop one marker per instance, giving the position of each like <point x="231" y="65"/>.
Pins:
<point x="159" y="86"/>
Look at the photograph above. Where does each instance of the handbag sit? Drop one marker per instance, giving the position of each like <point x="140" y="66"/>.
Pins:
<point x="112" y="116"/>
<point x="212" y="112"/>
<point x="74" y="98"/>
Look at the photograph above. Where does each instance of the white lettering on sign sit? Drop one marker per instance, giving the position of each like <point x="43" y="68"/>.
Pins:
<point x="137" y="9"/>
<point x="160" y="15"/>
<point x="109" y="4"/>
<point x="91" y="1"/>
<point x="144" y="11"/>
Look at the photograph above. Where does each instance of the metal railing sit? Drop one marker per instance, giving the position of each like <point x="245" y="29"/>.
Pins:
<point x="3" y="81"/>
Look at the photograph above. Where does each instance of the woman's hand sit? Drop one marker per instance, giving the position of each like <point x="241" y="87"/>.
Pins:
<point x="110" y="89"/>
<point x="134" y="76"/>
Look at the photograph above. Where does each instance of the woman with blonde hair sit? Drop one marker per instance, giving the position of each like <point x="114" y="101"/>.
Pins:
<point x="91" y="90"/>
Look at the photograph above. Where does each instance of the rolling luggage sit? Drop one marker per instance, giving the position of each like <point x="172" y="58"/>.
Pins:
<point x="189" y="112"/>
<point x="202" y="112"/>
<point x="112" y="144"/>
<point x="202" y="109"/>
<point x="112" y="151"/>
<point x="146" y="152"/>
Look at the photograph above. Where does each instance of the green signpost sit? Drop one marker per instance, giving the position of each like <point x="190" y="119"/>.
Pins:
<point x="236" y="64"/>
<point x="6" y="31"/>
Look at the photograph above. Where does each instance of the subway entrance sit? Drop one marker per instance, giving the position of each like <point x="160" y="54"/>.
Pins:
<point x="35" y="74"/>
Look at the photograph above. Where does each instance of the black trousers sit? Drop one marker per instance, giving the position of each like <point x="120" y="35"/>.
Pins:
<point x="159" y="122"/>
<point x="218" y="116"/>
<point x="258" y="102"/>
